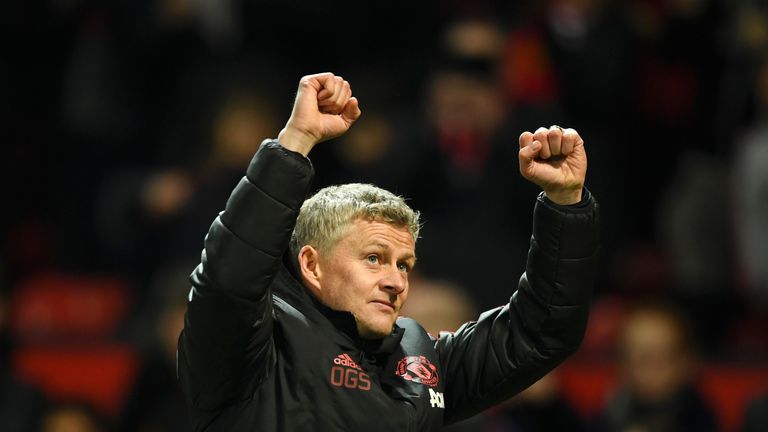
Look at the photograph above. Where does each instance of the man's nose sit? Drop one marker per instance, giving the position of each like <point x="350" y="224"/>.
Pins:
<point x="394" y="281"/>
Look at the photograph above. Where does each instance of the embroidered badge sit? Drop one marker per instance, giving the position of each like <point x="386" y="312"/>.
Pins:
<point x="418" y="369"/>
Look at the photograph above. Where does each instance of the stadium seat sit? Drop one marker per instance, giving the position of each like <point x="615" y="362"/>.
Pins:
<point x="59" y="306"/>
<point x="101" y="375"/>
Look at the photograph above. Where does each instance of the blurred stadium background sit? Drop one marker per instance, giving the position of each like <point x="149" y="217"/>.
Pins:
<point x="124" y="125"/>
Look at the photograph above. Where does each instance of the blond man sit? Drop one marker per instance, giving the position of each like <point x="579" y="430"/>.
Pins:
<point x="293" y="318"/>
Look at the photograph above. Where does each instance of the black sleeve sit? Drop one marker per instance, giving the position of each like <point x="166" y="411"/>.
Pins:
<point x="226" y="347"/>
<point x="508" y="348"/>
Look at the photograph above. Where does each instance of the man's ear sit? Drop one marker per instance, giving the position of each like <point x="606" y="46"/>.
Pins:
<point x="309" y="267"/>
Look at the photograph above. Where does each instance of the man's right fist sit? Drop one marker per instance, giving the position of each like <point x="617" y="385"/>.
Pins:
<point x="324" y="109"/>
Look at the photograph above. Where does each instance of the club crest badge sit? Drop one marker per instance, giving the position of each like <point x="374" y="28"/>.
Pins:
<point x="418" y="369"/>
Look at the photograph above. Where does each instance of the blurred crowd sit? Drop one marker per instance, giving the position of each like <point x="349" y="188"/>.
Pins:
<point x="126" y="124"/>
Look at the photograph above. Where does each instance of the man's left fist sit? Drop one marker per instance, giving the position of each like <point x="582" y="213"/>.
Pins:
<point x="556" y="161"/>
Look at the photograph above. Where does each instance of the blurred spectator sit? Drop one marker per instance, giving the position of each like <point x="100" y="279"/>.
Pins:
<point x="657" y="391"/>
<point x="746" y="42"/>
<point x="469" y="167"/>
<point x="147" y="217"/>
<point x="676" y="66"/>
<point x="243" y="121"/>
<point x="680" y="61"/>
<point x="587" y="41"/>
<point x="363" y="152"/>
<point x="379" y="149"/>
<point x="750" y="190"/>
<point x="156" y="402"/>
<point x="438" y="305"/>
<point x="696" y="233"/>
<point x="540" y="407"/>
<point x="72" y="417"/>
<point x="466" y="108"/>
<point x="695" y="226"/>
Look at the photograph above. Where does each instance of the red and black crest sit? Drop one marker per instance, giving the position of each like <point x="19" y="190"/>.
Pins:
<point x="418" y="369"/>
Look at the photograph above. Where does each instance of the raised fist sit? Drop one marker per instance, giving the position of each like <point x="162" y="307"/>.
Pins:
<point x="324" y="109"/>
<point x="556" y="161"/>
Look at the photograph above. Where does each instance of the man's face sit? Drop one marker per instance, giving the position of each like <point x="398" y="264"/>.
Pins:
<point x="366" y="273"/>
<point x="655" y="360"/>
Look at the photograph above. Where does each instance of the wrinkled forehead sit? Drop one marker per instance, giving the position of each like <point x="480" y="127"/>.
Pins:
<point x="372" y="231"/>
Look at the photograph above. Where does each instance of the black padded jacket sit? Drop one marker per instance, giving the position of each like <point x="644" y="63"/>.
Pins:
<point x="257" y="353"/>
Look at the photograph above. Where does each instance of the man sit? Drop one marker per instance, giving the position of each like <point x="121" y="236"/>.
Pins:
<point x="308" y="337"/>
<point x="657" y="391"/>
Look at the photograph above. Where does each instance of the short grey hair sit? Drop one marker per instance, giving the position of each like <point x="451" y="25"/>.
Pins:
<point x="326" y="216"/>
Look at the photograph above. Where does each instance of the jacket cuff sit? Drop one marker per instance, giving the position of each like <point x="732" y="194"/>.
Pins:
<point x="284" y="174"/>
<point x="567" y="231"/>
<point x="586" y="197"/>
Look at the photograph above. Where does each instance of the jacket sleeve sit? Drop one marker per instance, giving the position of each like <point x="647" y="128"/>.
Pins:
<point x="510" y="347"/>
<point x="226" y="348"/>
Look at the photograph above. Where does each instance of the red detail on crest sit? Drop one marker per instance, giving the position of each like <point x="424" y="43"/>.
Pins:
<point x="418" y="369"/>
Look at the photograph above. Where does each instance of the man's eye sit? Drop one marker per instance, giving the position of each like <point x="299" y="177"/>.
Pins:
<point x="372" y="259"/>
<point x="402" y="267"/>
